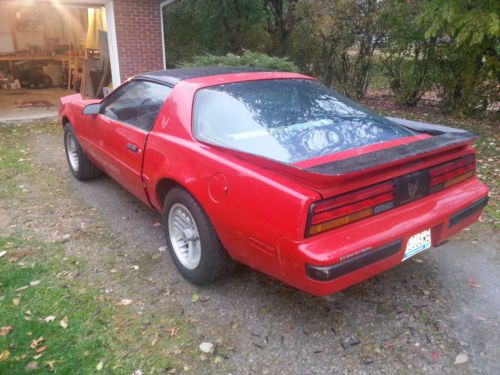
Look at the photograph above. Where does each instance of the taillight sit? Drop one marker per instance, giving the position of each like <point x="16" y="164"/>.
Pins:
<point x="350" y="207"/>
<point x="451" y="173"/>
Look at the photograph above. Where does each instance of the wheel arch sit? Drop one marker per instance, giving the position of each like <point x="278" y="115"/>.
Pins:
<point x="64" y="120"/>
<point x="163" y="186"/>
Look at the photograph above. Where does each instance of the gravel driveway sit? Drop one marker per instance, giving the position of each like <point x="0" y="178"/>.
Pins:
<point x="437" y="313"/>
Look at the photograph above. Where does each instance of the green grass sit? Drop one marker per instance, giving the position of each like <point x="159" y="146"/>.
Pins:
<point x="90" y="334"/>
<point x="97" y="331"/>
<point x="101" y="337"/>
<point x="12" y="160"/>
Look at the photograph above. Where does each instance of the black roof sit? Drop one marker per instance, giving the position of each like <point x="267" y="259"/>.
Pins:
<point x="174" y="76"/>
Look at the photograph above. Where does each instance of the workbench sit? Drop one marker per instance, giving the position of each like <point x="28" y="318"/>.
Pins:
<point x="28" y="57"/>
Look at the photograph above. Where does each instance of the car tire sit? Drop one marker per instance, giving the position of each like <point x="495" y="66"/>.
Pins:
<point x="192" y="240"/>
<point x="79" y="165"/>
<point x="46" y="82"/>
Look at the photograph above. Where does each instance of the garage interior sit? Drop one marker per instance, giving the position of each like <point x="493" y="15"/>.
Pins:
<point x="48" y="50"/>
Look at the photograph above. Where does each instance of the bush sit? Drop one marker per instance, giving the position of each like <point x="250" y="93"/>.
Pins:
<point x="467" y="55"/>
<point x="248" y="58"/>
<point x="336" y="40"/>
<point x="408" y="58"/>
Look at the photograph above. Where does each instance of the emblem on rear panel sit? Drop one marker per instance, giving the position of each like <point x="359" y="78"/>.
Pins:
<point x="412" y="189"/>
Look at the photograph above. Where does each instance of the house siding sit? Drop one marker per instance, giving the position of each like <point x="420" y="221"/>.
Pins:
<point x="138" y="34"/>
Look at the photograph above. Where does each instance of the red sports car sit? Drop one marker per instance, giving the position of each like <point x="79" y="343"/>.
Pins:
<point x="276" y="171"/>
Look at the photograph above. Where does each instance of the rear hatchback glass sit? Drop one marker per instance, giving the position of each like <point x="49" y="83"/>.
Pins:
<point x="288" y="120"/>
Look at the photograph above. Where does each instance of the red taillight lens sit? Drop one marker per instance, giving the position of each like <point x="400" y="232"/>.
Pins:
<point x="348" y="208"/>
<point x="452" y="172"/>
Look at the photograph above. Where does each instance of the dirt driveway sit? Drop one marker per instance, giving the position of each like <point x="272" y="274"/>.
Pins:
<point x="437" y="313"/>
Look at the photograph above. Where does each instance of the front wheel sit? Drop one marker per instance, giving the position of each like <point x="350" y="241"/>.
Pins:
<point x="80" y="166"/>
<point x="192" y="241"/>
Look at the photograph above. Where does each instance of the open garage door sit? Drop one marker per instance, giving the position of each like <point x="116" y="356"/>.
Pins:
<point x="52" y="48"/>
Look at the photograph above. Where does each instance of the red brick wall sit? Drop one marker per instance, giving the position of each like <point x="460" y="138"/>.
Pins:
<point x="138" y="34"/>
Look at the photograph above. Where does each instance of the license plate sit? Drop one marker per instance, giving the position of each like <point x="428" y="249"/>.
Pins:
<point x="418" y="243"/>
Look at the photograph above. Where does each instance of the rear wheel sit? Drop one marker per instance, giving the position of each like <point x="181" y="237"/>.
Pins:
<point x="192" y="241"/>
<point x="79" y="165"/>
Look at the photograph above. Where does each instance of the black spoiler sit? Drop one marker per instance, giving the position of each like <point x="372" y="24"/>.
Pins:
<point x="443" y="137"/>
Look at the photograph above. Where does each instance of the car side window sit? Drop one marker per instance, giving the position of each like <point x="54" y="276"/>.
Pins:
<point x="136" y="103"/>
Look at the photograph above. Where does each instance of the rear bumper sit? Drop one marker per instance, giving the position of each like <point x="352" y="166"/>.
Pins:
<point x="335" y="260"/>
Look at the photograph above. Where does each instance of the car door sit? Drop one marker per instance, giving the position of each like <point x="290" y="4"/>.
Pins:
<point x="118" y="134"/>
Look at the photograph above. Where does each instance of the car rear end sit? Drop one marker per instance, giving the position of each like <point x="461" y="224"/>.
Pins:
<point x="388" y="191"/>
<point x="355" y="235"/>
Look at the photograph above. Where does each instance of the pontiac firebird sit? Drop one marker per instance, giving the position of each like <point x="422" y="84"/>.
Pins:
<point x="275" y="171"/>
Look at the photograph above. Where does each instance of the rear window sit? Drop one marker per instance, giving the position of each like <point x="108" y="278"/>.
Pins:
<point x="288" y="120"/>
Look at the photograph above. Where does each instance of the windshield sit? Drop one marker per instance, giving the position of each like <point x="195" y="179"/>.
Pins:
<point x="288" y="120"/>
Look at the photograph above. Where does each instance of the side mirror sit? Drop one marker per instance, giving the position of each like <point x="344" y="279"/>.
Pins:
<point x="92" y="109"/>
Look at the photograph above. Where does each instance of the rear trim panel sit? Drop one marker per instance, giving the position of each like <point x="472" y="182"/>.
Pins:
<point x="327" y="273"/>
<point x="468" y="211"/>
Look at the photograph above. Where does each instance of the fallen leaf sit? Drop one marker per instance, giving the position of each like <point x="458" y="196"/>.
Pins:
<point x="22" y="288"/>
<point x="99" y="366"/>
<point x="35" y="282"/>
<point x="218" y="359"/>
<point x="36" y="342"/>
<point x="124" y="302"/>
<point x="173" y="331"/>
<point x="41" y="349"/>
<point x="64" y="322"/>
<point x="195" y="297"/>
<point x="33" y="365"/>
<point x="2" y="253"/>
<point x="50" y="364"/>
<point x="473" y="283"/>
<point x="461" y="358"/>
<point x="155" y="339"/>
<point x="16" y="301"/>
<point x="113" y="270"/>
<point x="50" y="318"/>
<point x="162" y="249"/>
<point x="4" y="356"/>
<point x="436" y="356"/>
<point x="4" y="331"/>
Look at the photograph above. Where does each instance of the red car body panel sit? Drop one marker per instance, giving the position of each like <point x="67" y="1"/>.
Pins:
<point x="109" y="142"/>
<point x="260" y="209"/>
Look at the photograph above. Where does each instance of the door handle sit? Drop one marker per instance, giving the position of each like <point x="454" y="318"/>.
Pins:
<point x="132" y="147"/>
